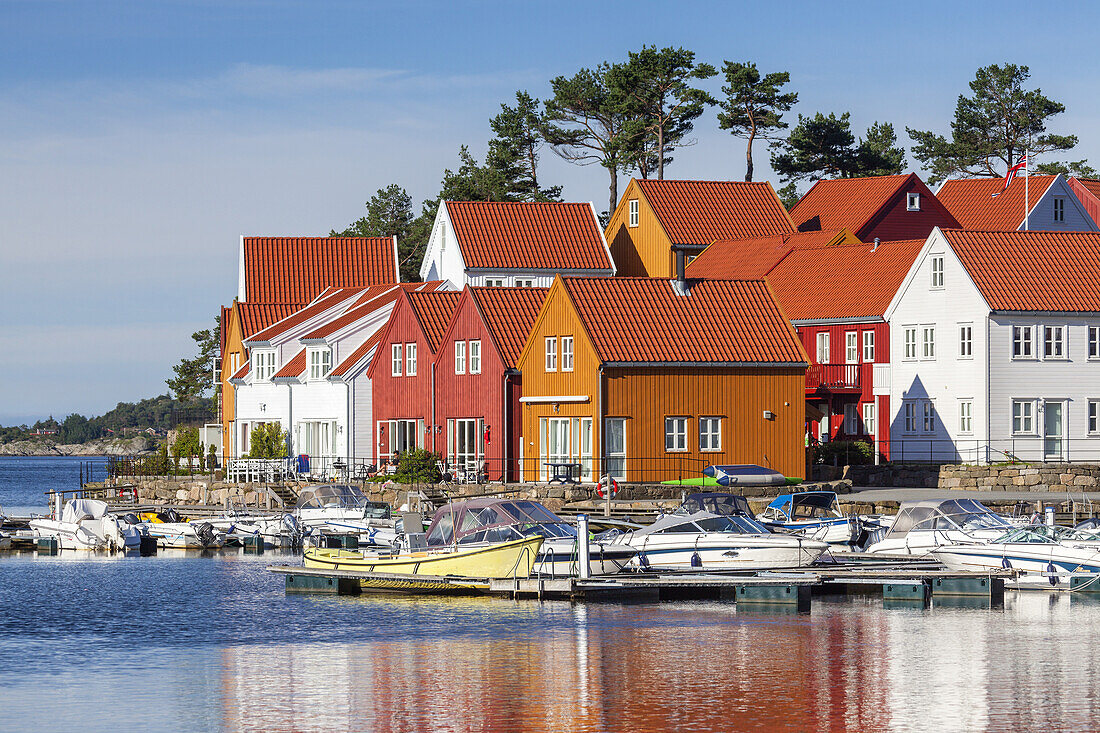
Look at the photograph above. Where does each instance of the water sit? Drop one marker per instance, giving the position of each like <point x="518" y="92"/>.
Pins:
<point x="23" y="480"/>
<point x="206" y="643"/>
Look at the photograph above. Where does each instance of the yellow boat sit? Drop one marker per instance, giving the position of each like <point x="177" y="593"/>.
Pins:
<point x="512" y="559"/>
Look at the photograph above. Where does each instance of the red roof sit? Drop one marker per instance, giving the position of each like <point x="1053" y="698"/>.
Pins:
<point x="323" y="303"/>
<point x="523" y="236"/>
<point x="641" y="319"/>
<point x="255" y="317"/>
<point x="848" y="280"/>
<point x="433" y="312"/>
<point x="297" y="269"/>
<point x="1091" y="185"/>
<point x="509" y="314"/>
<point x="853" y="203"/>
<point x="699" y="212"/>
<point x="972" y="203"/>
<point x="369" y="302"/>
<point x="752" y="258"/>
<point x="242" y="372"/>
<point x="344" y="367"/>
<point x="1032" y="271"/>
<point x="293" y="368"/>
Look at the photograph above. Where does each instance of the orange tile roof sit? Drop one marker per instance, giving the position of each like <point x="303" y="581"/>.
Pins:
<point x="509" y="314"/>
<point x="255" y="317"/>
<point x="297" y="269"/>
<point x="344" y="367"/>
<point x="699" y="212"/>
<point x="370" y="301"/>
<point x="242" y="372"/>
<point x="842" y="281"/>
<point x="293" y="368"/>
<point x="851" y="202"/>
<point x="1032" y="271"/>
<point x="971" y="201"/>
<point x="641" y="319"/>
<point x="433" y="312"/>
<point x="752" y="258"/>
<point x="320" y="305"/>
<point x="522" y="235"/>
<point x="1091" y="185"/>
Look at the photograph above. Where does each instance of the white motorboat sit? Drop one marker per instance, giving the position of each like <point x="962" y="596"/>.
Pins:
<point x="705" y="541"/>
<point x="921" y="526"/>
<point x="340" y="509"/>
<point x="86" y="524"/>
<point x="169" y="532"/>
<point x="1041" y="555"/>
<point x="493" y="520"/>
<point x="813" y="514"/>
<point x="276" y="531"/>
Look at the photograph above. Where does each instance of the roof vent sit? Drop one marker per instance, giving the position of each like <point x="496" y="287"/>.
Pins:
<point x="875" y="245"/>
<point x="680" y="284"/>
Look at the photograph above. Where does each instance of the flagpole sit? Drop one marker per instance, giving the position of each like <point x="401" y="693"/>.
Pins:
<point x="1027" y="198"/>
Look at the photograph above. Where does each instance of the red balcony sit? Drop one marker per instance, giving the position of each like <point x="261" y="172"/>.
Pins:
<point x="833" y="377"/>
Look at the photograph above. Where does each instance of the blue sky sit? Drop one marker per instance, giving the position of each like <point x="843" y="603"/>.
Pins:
<point x="139" y="140"/>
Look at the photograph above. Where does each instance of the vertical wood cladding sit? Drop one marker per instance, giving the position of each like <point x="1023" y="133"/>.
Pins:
<point x="641" y="251"/>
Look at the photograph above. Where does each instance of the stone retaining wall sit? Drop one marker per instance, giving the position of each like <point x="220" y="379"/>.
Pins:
<point x="1061" y="477"/>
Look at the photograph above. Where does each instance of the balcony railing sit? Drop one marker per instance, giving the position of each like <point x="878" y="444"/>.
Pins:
<point x="833" y="376"/>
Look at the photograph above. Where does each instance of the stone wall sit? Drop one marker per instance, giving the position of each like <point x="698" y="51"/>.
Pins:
<point x="1061" y="477"/>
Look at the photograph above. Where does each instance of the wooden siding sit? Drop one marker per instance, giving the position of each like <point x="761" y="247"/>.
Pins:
<point x="895" y="222"/>
<point x="233" y="345"/>
<point x="1087" y="199"/>
<point x="402" y="398"/>
<point x="641" y="251"/>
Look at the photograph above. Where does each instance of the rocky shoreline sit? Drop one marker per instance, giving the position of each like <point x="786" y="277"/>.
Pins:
<point x="99" y="447"/>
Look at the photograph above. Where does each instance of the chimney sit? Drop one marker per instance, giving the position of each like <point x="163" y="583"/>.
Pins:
<point x="875" y="245"/>
<point x="680" y="283"/>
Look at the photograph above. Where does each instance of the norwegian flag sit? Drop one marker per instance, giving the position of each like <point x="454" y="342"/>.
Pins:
<point x="1012" y="172"/>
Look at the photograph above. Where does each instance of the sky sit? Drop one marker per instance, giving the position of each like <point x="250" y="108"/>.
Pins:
<point x="139" y="140"/>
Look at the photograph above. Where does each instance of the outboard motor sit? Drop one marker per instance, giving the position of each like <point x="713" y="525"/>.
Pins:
<point x="292" y="529"/>
<point x="205" y="533"/>
<point x="169" y="516"/>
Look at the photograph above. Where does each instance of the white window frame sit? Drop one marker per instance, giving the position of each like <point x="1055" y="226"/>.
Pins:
<point x="460" y="357"/>
<point x="966" y="340"/>
<point x="937" y="272"/>
<point x="912" y="201"/>
<point x="851" y="347"/>
<point x="320" y="363"/>
<point x="567" y="353"/>
<point x="397" y="360"/>
<point x="676" y="434"/>
<point x="410" y="360"/>
<point x="633" y="208"/>
<point x="1023" y="339"/>
<point x="1059" y="208"/>
<point x="551" y="353"/>
<point x="525" y="282"/>
<point x="966" y="416"/>
<point x="869" y="422"/>
<point x="474" y="351"/>
<point x="1054" y="339"/>
<point x="263" y="364"/>
<point x="851" y="418"/>
<point x="868" y="347"/>
<point x="1024" y="422"/>
<point x="496" y="282"/>
<point x="909" y="415"/>
<point x="822" y="347"/>
<point x="710" y="434"/>
<point x="1094" y="343"/>
<point x="909" y="333"/>
<point x="928" y="342"/>
<point x="1093" y="416"/>
<point x="928" y="416"/>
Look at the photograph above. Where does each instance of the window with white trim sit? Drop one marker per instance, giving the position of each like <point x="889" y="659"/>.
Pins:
<point x="1022" y="337"/>
<point x="1094" y="342"/>
<point x="525" y="282"/>
<point x="567" y="353"/>
<point x="320" y="363"/>
<point x="460" y="357"/>
<point x="263" y="365"/>
<point x="910" y="333"/>
<point x="397" y="360"/>
<point x="823" y="347"/>
<point x="710" y="433"/>
<point x="676" y="434"/>
<point x="966" y="341"/>
<point x="868" y="347"/>
<point x="868" y="418"/>
<point x="1059" y="208"/>
<point x="551" y="353"/>
<point x="1023" y="417"/>
<point x="495" y="282"/>
<point x="851" y="418"/>
<point x="633" y="213"/>
<point x="410" y="360"/>
<point x="912" y="201"/>
<point x="851" y="347"/>
<point x="1054" y="342"/>
<point x="909" y="412"/>
<point x="1094" y="417"/>
<point x="966" y="423"/>
<point x="928" y="342"/>
<point x="929" y="411"/>
<point x="937" y="271"/>
<point x="475" y="356"/>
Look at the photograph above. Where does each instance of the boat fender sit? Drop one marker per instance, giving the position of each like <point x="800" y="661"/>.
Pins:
<point x="1053" y="578"/>
<point x="696" y="561"/>
<point x="1005" y="563"/>
<point x="643" y="560"/>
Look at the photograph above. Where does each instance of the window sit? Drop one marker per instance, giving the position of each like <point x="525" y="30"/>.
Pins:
<point x="868" y="347"/>
<point x="397" y="359"/>
<point x="676" y="430"/>
<point x="320" y="363"/>
<point x="929" y="417"/>
<point x="552" y="354"/>
<point x="851" y="347"/>
<point x="410" y="360"/>
<point x="264" y="365"/>
<point x="966" y="341"/>
<point x="475" y="356"/>
<point x="937" y="271"/>
<point x="615" y="440"/>
<point x="1021" y="342"/>
<point x="1094" y="417"/>
<point x="710" y="433"/>
<point x="567" y="353"/>
<point x="869" y="418"/>
<point x="633" y="212"/>
<point x="1023" y="417"/>
<point x="525" y="282"/>
<point x="912" y="201"/>
<point x="966" y="424"/>
<point x="1094" y="342"/>
<point x="851" y="418"/>
<point x="1059" y="209"/>
<point x="235" y="361"/>
<point x="910" y="342"/>
<point x="909" y="410"/>
<point x="928" y="342"/>
<point x="495" y="282"/>
<point x="823" y="347"/>
<point x="1054" y="342"/>
<point x="460" y="357"/>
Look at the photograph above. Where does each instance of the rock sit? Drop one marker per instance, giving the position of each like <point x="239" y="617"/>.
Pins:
<point x="181" y="495"/>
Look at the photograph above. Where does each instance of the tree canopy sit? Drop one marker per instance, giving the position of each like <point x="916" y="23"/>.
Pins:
<point x="754" y="105"/>
<point x="195" y="376"/>
<point x="514" y="151"/>
<point x="824" y="147"/>
<point x="390" y="214"/>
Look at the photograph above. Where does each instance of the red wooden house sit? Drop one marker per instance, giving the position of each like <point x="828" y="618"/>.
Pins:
<point x="477" y="385"/>
<point x="401" y="371"/>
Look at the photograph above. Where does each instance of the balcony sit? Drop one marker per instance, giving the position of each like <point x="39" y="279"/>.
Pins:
<point x="833" y="378"/>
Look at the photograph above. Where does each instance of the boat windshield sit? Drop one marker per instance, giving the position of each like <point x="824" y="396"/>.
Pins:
<point x="733" y="525"/>
<point x="716" y="503"/>
<point x="1027" y="535"/>
<point x="340" y="496"/>
<point x="957" y="514"/>
<point x="497" y="521"/>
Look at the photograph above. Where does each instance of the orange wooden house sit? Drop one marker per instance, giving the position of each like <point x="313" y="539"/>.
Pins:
<point x="649" y="379"/>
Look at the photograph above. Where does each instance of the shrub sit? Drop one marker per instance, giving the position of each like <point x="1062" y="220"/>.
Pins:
<point x="268" y="441"/>
<point x="187" y="443"/>
<point x="417" y="466"/>
<point x="844" y="453"/>
<point x="212" y="458"/>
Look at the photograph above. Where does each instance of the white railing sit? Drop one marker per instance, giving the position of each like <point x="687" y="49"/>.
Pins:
<point x="257" y="470"/>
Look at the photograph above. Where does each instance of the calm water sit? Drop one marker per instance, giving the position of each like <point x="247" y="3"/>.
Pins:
<point x="182" y="642"/>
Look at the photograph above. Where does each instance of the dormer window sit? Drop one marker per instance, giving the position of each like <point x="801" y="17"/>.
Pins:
<point x="633" y="213"/>
<point x="263" y="365"/>
<point x="320" y="363"/>
<point x="912" y="201"/>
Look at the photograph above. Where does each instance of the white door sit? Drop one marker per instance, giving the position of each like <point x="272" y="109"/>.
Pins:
<point x="1054" y="424"/>
<point x="615" y="441"/>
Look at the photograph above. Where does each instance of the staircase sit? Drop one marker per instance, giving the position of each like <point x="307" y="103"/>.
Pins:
<point x="288" y="493"/>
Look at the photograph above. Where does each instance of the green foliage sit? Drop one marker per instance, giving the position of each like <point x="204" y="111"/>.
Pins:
<point x="390" y="214"/>
<point x="125" y="420"/>
<point x="417" y="466"/>
<point x="877" y="153"/>
<point x="843" y="453"/>
<point x="824" y="147"/>
<point x="1078" y="168"/>
<point x="992" y="128"/>
<point x="78" y="429"/>
<point x="789" y="195"/>
<point x="268" y="441"/>
<point x="514" y="151"/>
<point x="195" y="376"/>
<point x="754" y="104"/>
<point x="212" y="458"/>
<point x="187" y="443"/>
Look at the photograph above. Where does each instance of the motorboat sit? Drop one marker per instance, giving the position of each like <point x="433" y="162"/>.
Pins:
<point x="921" y="526"/>
<point x="706" y="541"/>
<point x="1042" y="555"/>
<point x="86" y="524"/>
<point x="171" y="532"/>
<point x="276" y="531"/>
<point x="745" y="474"/>
<point x="715" y="502"/>
<point x="814" y="514"/>
<point x="341" y="509"/>
<point x="487" y="520"/>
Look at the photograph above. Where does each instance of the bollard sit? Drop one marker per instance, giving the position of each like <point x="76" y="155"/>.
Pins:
<point x="583" y="561"/>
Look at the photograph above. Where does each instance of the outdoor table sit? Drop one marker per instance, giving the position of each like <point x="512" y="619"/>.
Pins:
<point x="562" y="473"/>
